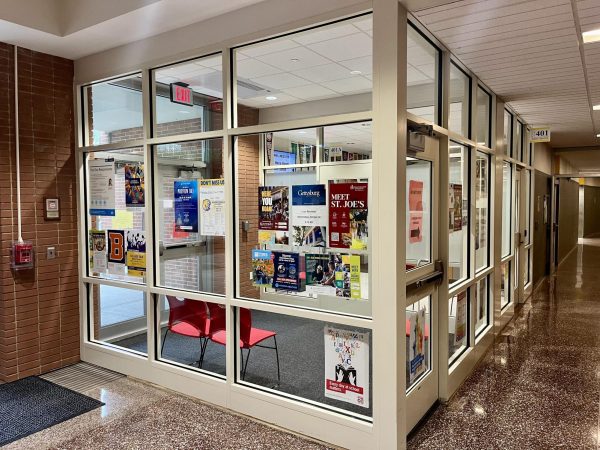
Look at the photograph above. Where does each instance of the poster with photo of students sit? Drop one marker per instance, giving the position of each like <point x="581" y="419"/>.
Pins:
<point x="136" y="253"/>
<point x="273" y="208"/>
<point x="287" y="271"/>
<point x="262" y="268"/>
<point x="134" y="185"/>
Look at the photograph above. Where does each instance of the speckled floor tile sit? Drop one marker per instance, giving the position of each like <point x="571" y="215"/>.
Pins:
<point x="539" y="385"/>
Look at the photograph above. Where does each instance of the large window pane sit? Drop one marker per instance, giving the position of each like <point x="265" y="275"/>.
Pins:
<point x="113" y="111"/>
<point x="460" y="101"/>
<point x="422" y="76"/>
<point x="484" y="107"/>
<point x="189" y="332"/>
<point x="418" y="212"/>
<point x="507" y="212"/>
<point x="324" y="363"/>
<point x="191" y="208"/>
<point x="189" y="97"/>
<point x="305" y="74"/>
<point x="508" y="133"/>
<point x="519" y="142"/>
<point x="482" y="301"/>
<point x="303" y="228"/>
<point x="482" y="210"/>
<point x="418" y="341"/>
<point x="526" y="229"/>
<point x="458" y="205"/>
<point x="116" y="209"/>
<point x="347" y="142"/>
<point x="458" y="325"/>
<point x="118" y="317"/>
<point x="505" y="285"/>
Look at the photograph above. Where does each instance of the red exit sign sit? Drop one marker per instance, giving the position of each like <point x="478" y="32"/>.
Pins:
<point x="181" y="94"/>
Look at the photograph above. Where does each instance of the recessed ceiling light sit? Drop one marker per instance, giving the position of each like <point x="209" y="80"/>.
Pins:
<point x="598" y="135"/>
<point x="301" y="132"/>
<point x="596" y="107"/>
<point x="270" y="97"/>
<point x="355" y="72"/>
<point x="294" y="60"/>
<point x="591" y="36"/>
<point x="349" y="143"/>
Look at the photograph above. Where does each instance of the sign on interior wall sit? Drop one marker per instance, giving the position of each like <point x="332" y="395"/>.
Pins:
<point x="540" y="134"/>
<point x="182" y="94"/>
<point x="136" y="253"/>
<point x="347" y="366"/>
<point x="212" y="207"/>
<point x="134" y="185"/>
<point x="348" y="213"/>
<point x="273" y="208"/>
<point x="101" y="187"/>
<point x="185" y="202"/>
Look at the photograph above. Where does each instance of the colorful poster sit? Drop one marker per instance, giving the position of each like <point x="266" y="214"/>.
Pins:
<point x="101" y="185"/>
<point x="461" y="318"/>
<point x="316" y="269"/>
<point x="347" y="366"/>
<point x="309" y="236"/>
<point x="415" y="227"/>
<point x="287" y="271"/>
<point x="347" y="277"/>
<point x="212" y="207"/>
<point x="348" y="214"/>
<point x="97" y="242"/>
<point x="455" y="205"/>
<point x="262" y="268"/>
<point x="273" y="208"/>
<point x="116" y="252"/>
<point x="134" y="185"/>
<point x="266" y="237"/>
<point x="185" y="193"/>
<point x="415" y="195"/>
<point x="136" y="253"/>
<point x="309" y="205"/>
<point x="416" y="343"/>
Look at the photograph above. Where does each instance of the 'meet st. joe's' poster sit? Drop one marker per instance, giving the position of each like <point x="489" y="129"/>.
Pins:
<point x="347" y="366"/>
<point x="348" y="212"/>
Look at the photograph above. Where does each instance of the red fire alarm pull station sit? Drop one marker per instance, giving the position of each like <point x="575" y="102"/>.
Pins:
<point x="22" y="255"/>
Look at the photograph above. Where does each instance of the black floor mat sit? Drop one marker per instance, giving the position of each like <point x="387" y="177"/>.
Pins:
<point x="33" y="404"/>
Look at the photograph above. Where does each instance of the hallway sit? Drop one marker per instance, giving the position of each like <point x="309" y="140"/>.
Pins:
<point x="539" y="386"/>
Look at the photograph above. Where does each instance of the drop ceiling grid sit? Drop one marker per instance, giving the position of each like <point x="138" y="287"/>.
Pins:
<point x="526" y="52"/>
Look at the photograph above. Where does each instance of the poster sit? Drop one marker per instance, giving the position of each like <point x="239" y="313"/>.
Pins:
<point x="185" y="194"/>
<point x="316" y="267"/>
<point x="97" y="242"/>
<point x="136" y="253"/>
<point x="212" y="207"/>
<point x="116" y="252"/>
<point x="416" y="343"/>
<point x="347" y="277"/>
<point x="134" y="184"/>
<point x="348" y="213"/>
<point x="308" y="236"/>
<point x="101" y="185"/>
<point x="347" y="366"/>
<point x="262" y="268"/>
<point x="273" y="208"/>
<point x="287" y="271"/>
<point x="415" y="195"/>
<point x="415" y="227"/>
<point x="461" y="318"/>
<point x="455" y="206"/>
<point x="123" y="219"/>
<point x="309" y="205"/>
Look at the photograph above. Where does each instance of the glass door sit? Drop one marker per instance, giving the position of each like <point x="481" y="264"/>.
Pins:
<point x="423" y="275"/>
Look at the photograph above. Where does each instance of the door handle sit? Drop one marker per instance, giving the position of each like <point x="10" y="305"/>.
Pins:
<point x="434" y="277"/>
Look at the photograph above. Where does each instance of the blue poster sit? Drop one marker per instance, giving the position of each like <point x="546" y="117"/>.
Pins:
<point x="185" y="193"/>
<point x="309" y="205"/>
<point x="287" y="271"/>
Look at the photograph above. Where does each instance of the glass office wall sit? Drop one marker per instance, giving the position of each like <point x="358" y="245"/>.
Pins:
<point x="423" y="76"/>
<point x="482" y="210"/>
<point x="484" y="122"/>
<point x="459" y="213"/>
<point x="507" y="209"/>
<point x="508" y="133"/>
<point x="460" y="101"/>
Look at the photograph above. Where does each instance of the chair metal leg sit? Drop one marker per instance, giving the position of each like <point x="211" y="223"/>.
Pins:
<point x="203" y="345"/>
<point x="242" y="365"/>
<point x="246" y="366"/>
<point x="162" y="347"/>
<point x="277" y="357"/>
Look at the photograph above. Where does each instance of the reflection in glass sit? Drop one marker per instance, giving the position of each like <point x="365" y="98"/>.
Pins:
<point x="119" y="317"/>
<point x="458" y="205"/>
<point x="347" y="142"/>
<point x="505" y="290"/>
<point x="519" y="142"/>
<point x="484" y="106"/>
<point x="460" y="101"/>
<point x="482" y="215"/>
<point x="422" y="76"/>
<point x="418" y="212"/>
<point x="418" y="341"/>
<point x="508" y="132"/>
<point x="191" y="240"/>
<point x="506" y="209"/>
<point x="113" y="110"/>
<point x="482" y="295"/>
<point x="458" y="329"/>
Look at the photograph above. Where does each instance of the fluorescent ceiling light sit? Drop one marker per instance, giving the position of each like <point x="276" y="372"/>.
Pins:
<point x="596" y="107"/>
<point x="591" y="36"/>
<point x="598" y="135"/>
<point x="355" y="72"/>
<point x="270" y="97"/>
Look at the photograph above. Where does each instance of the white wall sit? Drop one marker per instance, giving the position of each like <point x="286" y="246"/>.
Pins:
<point x="543" y="157"/>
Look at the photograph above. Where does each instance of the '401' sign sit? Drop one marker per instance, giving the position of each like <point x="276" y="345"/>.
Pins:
<point x="540" y="134"/>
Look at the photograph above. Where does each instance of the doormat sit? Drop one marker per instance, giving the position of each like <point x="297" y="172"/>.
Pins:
<point x="33" y="404"/>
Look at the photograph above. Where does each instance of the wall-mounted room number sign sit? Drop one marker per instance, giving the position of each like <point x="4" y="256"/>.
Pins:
<point x="182" y="94"/>
<point x="540" y="134"/>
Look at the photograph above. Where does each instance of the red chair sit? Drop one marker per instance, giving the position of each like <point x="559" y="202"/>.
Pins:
<point x="214" y="323"/>
<point x="187" y="318"/>
<point x="249" y="337"/>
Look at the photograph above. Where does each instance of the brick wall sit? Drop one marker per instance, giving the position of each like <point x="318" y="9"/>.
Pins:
<point x="39" y="308"/>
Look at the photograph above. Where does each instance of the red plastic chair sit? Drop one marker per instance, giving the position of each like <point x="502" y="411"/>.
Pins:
<point x="187" y="318"/>
<point x="214" y="323"/>
<point x="249" y="337"/>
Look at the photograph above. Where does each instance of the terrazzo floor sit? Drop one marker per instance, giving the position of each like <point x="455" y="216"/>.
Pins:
<point x="539" y="386"/>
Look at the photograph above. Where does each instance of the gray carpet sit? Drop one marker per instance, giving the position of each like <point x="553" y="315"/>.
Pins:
<point x="301" y="357"/>
<point x="33" y="404"/>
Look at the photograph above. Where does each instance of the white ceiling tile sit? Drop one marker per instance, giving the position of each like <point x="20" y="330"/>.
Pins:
<point x="310" y="92"/>
<point x="280" y="81"/>
<point x="324" y="33"/>
<point x="348" y="47"/>
<point x="326" y="72"/>
<point x="352" y="85"/>
<point x="363" y="64"/>
<point x="306" y="58"/>
<point x="251" y="68"/>
<point x="270" y="46"/>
